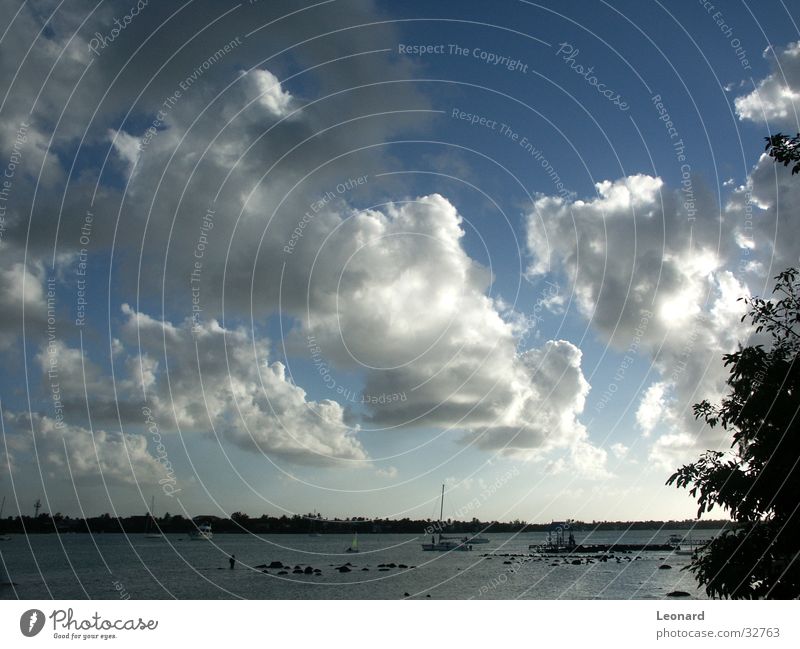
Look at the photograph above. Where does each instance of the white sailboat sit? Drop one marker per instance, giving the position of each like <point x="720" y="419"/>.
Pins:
<point x="151" y="529"/>
<point x="311" y="529"/>
<point x="445" y="544"/>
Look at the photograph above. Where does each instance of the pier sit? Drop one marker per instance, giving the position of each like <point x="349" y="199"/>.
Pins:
<point x="597" y="548"/>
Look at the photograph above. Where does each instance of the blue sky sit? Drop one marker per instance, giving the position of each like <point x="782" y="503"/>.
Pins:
<point x="535" y="307"/>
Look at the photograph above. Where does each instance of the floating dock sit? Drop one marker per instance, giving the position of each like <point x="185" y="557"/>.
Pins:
<point x="596" y="548"/>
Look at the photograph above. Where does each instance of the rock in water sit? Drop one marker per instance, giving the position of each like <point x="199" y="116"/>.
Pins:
<point x="343" y="569"/>
<point x="665" y="566"/>
<point x="678" y="593"/>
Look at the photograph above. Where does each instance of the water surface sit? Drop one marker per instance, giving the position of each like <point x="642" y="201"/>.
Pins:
<point x="109" y="566"/>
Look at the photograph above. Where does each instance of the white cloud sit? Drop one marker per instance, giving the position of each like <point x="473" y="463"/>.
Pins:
<point x="22" y="289"/>
<point x="671" y="450"/>
<point x="201" y="380"/>
<point x="127" y="147"/>
<point x="220" y="377"/>
<point x="777" y="96"/>
<point x="443" y="344"/>
<point x="388" y="472"/>
<point x="651" y="408"/>
<point x="620" y="451"/>
<point x="763" y="217"/>
<point x="86" y="455"/>
<point x="651" y="281"/>
<point x="270" y="94"/>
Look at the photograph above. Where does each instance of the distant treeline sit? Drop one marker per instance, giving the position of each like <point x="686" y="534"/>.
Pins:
<point x="313" y="524"/>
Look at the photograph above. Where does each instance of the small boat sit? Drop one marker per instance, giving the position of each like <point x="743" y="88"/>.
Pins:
<point x="151" y="528"/>
<point x="445" y="543"/>
<point x="201" y="533"/>
<point x="354" y="544"/>
<point x="476" y="540"/>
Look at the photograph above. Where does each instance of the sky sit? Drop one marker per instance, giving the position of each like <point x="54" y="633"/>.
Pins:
<point x="290" y="257"/>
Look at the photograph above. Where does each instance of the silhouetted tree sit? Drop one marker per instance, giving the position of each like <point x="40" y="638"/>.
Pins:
<point x="758" y="481"/>
<point x="240" y="518"/>
<point x="785" y="150"/>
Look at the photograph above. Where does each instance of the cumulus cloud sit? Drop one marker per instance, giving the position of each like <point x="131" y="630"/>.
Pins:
<point x="127" y="147"/>
<point x="653" y="278"/>
<point x="270" y="94"/>
<point x="394" y="294"/>
<point x="446" y="356"/>
<point x="444" y="344"/>
<point x="777" y="96"/>
<point x="68" y="451"/>
<point x="22" y="290"/>
<point x="202" y="377"/>
<point x="258" y="407"/>
<point x="762" y="215"/>
<point x="635" y="250"/>
<point x="651" y="408"/>
<point x="620" y="451"/>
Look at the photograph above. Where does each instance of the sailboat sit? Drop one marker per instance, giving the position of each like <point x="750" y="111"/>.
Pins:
<point x="445" y="544"/>
<point x="150" y="529"/>
<point x="311" y="530"/>
<point x="3" y="537"/>
<point x="354" y="543"/>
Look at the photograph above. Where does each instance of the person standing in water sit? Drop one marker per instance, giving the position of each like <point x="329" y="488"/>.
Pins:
<point x="232" y="560"/>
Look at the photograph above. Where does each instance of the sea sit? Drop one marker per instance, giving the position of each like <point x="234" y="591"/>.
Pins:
<point x="387" y="566"/>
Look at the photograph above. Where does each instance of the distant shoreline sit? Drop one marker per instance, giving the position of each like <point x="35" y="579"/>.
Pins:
<point x="240" y="523"/>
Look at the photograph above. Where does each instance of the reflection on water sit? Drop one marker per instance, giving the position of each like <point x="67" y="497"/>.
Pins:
<point x="106" y="566"/>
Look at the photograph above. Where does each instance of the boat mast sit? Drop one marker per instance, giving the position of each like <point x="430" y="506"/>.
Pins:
<point x="441" y="513"/>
